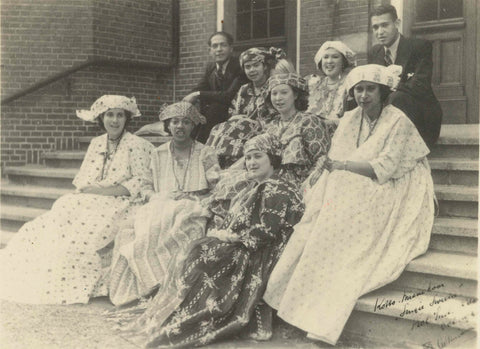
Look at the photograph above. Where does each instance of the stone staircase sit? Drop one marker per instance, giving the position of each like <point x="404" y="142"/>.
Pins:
<point x="432" y="304"/>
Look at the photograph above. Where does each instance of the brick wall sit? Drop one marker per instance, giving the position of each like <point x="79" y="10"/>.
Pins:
<point x="197" y="23"/>
<point x="41" y="38"/>
<point x="133" y="30"/>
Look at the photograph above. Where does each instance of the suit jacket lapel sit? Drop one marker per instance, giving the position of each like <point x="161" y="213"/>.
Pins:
<point x="403" y="52"/>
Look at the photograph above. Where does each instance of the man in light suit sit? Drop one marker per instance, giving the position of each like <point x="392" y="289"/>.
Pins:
<point x="414" y="95"/>
<point x="220" y="83"/>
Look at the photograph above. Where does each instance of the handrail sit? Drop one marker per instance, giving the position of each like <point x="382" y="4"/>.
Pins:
<point x="110" y="62"/>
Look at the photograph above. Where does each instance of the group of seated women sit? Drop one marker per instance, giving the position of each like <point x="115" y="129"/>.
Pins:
<point x="294" y="205"/>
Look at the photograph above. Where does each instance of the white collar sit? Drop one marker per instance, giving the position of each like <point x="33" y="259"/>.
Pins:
<point x="393" y="48"/>
<point x="223" y="66"/>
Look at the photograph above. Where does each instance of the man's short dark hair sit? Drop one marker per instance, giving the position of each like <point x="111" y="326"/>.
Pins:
<point x="382" y="9"/>
<point x="224" y="34"/>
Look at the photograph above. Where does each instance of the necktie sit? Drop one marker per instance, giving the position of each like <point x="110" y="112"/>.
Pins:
<point x="219" y="73"/>
<point x="388" y="57"/>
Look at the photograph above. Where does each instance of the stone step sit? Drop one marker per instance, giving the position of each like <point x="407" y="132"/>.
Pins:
<point x="430" y="320"/>
<point x="5" y="237"/>
<point x="457" y="200"/>
<point x="12" y="217"/>
<point x="155" y="140"/>
<point x="457" y="141"/>
<point x="30" y="195"/>
<point x="457" y="235"/>
<point x="64" y="159"/>
<point x="454" y="171"/>
<point x="445" y="264"/>
<point x="465" y="227"/>
<point x="41" y="176"/>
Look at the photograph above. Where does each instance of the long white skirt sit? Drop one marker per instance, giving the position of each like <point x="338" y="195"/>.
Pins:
<point x="53" y="259"/>
<point x="355" y="236"/>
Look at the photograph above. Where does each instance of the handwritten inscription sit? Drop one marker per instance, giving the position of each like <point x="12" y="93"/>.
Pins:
<point x="383" y="304"/>
<point x="442" y="342"/>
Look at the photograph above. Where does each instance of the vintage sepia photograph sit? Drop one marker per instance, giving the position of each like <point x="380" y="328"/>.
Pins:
<point x="239" y="174"/>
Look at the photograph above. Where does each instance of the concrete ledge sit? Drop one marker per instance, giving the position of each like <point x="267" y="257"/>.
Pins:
<point x="65" y="155"/>
<point x="20" y="213"/>
<point x="459" y="134"/>
<point x="454" y="164"/>
<point x="42" y="171"/>
<point x="456" y="192"/>
<point x="446" y="264"/>
<point x="33" y="191"/>
<point x="464" y="227"/>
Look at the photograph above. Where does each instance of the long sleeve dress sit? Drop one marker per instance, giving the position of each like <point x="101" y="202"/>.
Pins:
<point x="54" y="259"/>
<point x="145" y="248"/>
<point x="357" y="234"/>
<point x="248" y="116"/>
<point x="215" y="290"/>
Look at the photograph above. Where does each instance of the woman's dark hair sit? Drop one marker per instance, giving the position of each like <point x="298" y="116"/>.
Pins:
<point x="301" y="102"/>
<point x="102" y="126"/>
<point x="384" y="92"/>
<point x="275" y="161"/>
<point x="193" y="134"/>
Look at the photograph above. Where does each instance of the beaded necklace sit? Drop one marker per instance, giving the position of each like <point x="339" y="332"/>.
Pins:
<point x="371" y="128"/>
<point x="110" y="154"/>
<point x="172" y="149"/>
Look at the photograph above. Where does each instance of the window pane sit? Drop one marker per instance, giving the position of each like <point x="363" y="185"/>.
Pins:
<point x="243" y="5"/>
<point x="277" y="22"/>
<point x="426" y="10"/>
<point x="260" y="24"/>
<point x="277" y="3"/>
<point x="243" y="26"/>
<point x="259" y="4"/>
<point x="451" y="9"/>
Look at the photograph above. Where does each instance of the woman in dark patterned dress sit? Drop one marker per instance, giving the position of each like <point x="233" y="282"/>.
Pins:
<point x="216" y="292"/>
<point x="249" y="113"/>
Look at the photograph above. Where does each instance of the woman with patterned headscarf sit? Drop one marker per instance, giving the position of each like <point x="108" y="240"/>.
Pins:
<point x="57" y="257"/>
<point x="334" y="60"/>
<point x="183" y="171"/>
<point x="248" y="113"/>
<point x="367" y="216"/>
<point x="216" y="290"/>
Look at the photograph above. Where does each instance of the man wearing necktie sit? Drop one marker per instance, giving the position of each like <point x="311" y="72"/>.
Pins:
<point x="220" y="83"/>
<point x="414" y="95"/>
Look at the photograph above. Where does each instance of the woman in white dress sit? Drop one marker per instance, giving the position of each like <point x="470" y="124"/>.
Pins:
<point x="367" y="216"/>
<point x="327" y="91"/>
<point x="55" y="258"/>
<point x="183" y="172"/>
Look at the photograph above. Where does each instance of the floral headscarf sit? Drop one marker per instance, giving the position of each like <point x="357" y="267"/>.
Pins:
<point x="265" y="143"/>
<point x="292" y="79"/>
<point x="182" y="110"/>
<point x="107" y="102"/>
<point x="388" y="76"/>
<point x="340" y="47"/>
<point x="259" y="54"/>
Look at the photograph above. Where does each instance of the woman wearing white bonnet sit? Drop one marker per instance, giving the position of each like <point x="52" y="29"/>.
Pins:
<point x="369" y="212"/>
<point x="334" y="60"/>
<point x="57" y="258"/>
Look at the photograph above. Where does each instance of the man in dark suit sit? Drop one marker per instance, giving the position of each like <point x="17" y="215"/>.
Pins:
<point x="414" y="95"/>
<point x="220" y="83"/>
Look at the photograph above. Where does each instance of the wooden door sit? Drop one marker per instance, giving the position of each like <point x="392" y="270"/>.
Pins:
<point x="451" y="27"/>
